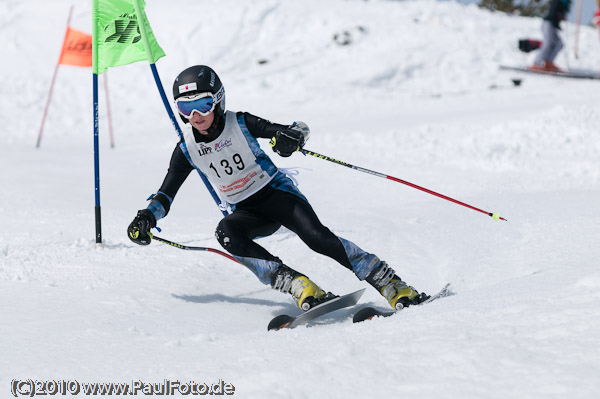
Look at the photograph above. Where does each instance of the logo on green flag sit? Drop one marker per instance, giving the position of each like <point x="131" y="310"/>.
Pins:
<point x="120" y="35"/>
<point x="125" y="31"/>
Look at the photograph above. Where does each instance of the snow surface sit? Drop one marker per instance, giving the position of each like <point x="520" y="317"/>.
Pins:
<point x="417" y="95"/>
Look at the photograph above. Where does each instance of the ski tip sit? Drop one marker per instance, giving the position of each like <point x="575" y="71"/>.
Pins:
<point x="280" y="322"/>
<point x="369" y="313"/>
<point x="364" y="314"/>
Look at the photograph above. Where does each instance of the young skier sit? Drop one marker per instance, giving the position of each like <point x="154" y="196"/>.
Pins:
<point x="552" y="44"/>
<point x="223" y="145"/>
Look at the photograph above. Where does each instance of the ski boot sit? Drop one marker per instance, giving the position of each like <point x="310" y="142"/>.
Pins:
<point x="551" y="67"/>
<point x="398" y="294"/>
<point x="305" y="292"/>
<point x="538" y="68"/>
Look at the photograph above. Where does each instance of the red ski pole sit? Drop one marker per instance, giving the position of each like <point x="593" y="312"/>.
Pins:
<point x="495" y="216"/>
<point x="188" y="248"/>
<point x="39" y="139"/>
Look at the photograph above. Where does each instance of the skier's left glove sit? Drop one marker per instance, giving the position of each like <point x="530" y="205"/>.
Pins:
<point x="140" y="227"/>
<point x="289" y="140"/>
<point x="597" y="18"/>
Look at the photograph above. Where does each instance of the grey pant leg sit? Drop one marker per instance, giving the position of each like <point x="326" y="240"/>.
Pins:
<point x="551" y="46"/>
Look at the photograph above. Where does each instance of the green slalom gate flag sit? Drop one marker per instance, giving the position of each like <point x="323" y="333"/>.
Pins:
<point x="117" y="37"/>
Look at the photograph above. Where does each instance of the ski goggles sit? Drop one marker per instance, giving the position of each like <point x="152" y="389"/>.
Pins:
<point x="202" y="103"/>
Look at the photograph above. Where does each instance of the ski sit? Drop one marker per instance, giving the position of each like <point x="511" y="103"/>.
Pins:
<point x="577" y="74"/>
<point x="286" y="321"/>
<point x="369" y="312"/>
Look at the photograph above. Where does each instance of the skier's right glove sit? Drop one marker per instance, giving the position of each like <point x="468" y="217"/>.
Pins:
<point x="289" y="140"/>
<point x="140" y="227"/>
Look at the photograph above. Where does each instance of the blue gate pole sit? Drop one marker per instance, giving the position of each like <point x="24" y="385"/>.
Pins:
<point x="97" y="162"/>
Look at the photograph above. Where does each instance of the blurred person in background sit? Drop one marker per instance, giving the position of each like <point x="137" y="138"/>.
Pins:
<point x="552" y="44"/>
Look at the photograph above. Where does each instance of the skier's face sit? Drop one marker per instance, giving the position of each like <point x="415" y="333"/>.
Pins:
<point x="202" y="123"/>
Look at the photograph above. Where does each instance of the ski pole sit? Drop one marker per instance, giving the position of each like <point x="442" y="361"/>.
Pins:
<point x="577" y="28"/>
<point x="188" y="248"/>
<point x="495" y="216"/>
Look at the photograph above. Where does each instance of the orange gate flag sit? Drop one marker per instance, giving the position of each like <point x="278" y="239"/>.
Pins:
<point x="77" y="49"/>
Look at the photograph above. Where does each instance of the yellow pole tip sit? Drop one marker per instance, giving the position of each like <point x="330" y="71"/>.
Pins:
<point x="496" y="216"/>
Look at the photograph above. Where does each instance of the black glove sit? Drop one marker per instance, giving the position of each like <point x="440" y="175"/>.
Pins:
<point x="291" y="139"/>
<point x="140" y="227"/>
